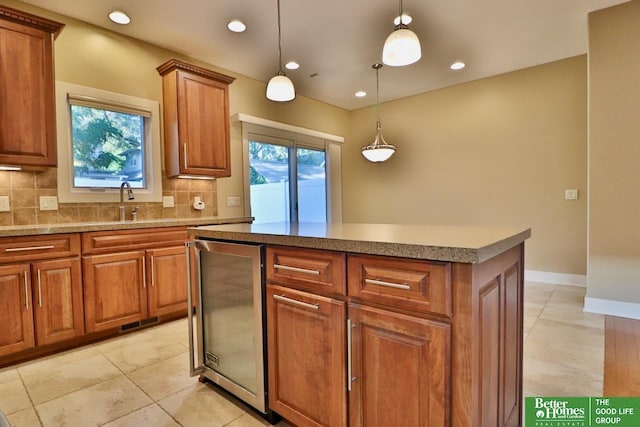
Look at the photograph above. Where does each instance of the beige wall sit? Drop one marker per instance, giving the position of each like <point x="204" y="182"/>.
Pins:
<point x="95" y="57"/>
<point x="497" y="151"/>
<point x="614" y="153"/>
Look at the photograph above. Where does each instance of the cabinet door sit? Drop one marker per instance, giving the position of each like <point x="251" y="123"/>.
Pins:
<point x="27" y="109"/>
<point x="115" y="290"/>
<point x="203" y="121"/>
<point x="306" y="349"/>
<point x="58" y="306"/>
<point x="167" y="281"/>
<point x="16" y="315"/>
<point x="399" y="369"/>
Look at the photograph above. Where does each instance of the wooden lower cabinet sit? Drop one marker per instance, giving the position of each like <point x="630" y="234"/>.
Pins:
<point x="16" y="309"/>
<point x="167" y="282"/>
<point x="58" y="307"/>
<point x="41" y="302"/>
<point x="422" y="343"/>
<point x="306" y="351"/>
<point x="127" y="287"/>
<point x="399" y="369"/>
<point x="115" y="290"/>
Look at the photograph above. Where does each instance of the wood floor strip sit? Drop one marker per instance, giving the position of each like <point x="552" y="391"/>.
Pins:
<point x="621" y="357"/>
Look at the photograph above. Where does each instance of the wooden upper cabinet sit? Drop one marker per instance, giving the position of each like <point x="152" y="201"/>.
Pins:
<point x="196" y="120"/>
<point x="27" y="89"/>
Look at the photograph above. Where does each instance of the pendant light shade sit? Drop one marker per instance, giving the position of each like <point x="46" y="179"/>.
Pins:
<point x="280" y="87"/>
<point x="378" y="150"/>
<point x="402" y="47"/>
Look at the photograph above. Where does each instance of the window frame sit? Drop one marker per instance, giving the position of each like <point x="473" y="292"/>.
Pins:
<point x="67" y="193"/>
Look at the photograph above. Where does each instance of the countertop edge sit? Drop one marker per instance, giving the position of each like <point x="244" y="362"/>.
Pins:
<point x="80" y="227"/>
<point x="396" y="249"/>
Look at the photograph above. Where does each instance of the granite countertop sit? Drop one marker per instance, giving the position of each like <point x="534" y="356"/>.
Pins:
<point x="441" y="243"/>
<point x="78" y="227"/>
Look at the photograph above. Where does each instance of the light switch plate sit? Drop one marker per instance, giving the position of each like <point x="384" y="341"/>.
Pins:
<point x="571" y="194"/>
<point x="233" y="201"/>
<point x="167" y="202"/>
<point x="4" y="204"/>
<point x="48" y="203"/>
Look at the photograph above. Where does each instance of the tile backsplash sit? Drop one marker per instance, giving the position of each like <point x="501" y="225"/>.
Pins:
<point x="24" y="189"/>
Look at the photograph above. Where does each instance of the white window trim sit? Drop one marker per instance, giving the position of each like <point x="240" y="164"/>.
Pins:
<point x="333" y="154"/>
<point x="66" y="192"/>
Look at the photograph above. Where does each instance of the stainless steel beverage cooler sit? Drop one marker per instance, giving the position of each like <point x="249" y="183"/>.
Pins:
<point x="230" y="340"/>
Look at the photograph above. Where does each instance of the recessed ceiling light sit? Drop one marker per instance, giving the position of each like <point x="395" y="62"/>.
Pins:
<point x="361" y="94"/>
<point x="119" y="17"/>
<point x="236" y="25"/>
<point x="458" y="65"/>
<point x="292" y="65"/>
<point x="406" y="19"/>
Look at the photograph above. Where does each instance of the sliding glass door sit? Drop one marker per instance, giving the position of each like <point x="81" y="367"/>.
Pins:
<point x="288" y="181"/>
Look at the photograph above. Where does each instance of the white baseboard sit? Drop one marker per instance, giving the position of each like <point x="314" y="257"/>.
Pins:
<point x="612" y="308"/>
<point x="555" y="278"/>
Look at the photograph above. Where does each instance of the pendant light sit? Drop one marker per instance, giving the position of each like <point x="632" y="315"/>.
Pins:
<point x="402" y="46"/>
<point x="280" y="87"/>
<point x="378" y="150"/>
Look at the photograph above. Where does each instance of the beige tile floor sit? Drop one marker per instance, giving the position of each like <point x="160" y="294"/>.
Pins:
<point x="141" y="379"/>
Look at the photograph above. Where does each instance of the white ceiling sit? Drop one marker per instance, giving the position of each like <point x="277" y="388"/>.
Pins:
<point x="339" y="40"/>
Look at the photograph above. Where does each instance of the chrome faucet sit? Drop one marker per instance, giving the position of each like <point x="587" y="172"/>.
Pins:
<point x="129" y="197"/>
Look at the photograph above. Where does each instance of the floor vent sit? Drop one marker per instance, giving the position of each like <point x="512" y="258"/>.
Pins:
<point x="129" y="326"/>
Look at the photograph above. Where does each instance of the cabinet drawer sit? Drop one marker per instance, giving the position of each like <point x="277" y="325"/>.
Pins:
<point x="423" y="286"/>
<point x="30" y="248"/>
<point x="313" y="270"/>
<point x="99" y="242"/>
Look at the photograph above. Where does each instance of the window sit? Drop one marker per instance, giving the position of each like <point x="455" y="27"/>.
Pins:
<point x="105" y="139"/>
<point x="290" y="176"/>
<point x="106" y="147"/>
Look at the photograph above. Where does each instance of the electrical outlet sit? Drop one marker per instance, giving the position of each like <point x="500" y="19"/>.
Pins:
<point x="48" y="203"/>
<point x="167" y="202"/>
<point x="233" y="201"/>
<point x="4" y="204"/>
<point x="571" y="194"/>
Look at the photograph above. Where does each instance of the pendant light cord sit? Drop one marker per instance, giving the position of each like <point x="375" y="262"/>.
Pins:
<point x="279" y="42"/>
<point x="377" y="67"/>
<point x="377" y="95"/>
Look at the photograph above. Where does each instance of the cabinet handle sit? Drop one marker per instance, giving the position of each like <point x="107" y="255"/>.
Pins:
<point x="153" y="273"/>
<point x="39" y="291"/>
<point x="29" y="248"/>
<point x="387" y="284"/>
<point x="184" y="157"/>
<point x="350" y="377"/>
<point x="296" y="302"/>
<point x="297" y="269"/>
<point x="144" y="271"/>
<point x="26" y="290"/>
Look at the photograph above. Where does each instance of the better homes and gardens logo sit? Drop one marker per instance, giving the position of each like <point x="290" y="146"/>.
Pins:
<point x="559" y="411"/>
<point x="582" y="411"/>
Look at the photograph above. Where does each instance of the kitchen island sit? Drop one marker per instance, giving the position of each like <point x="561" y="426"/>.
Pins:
<point x="379" y="324"/>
